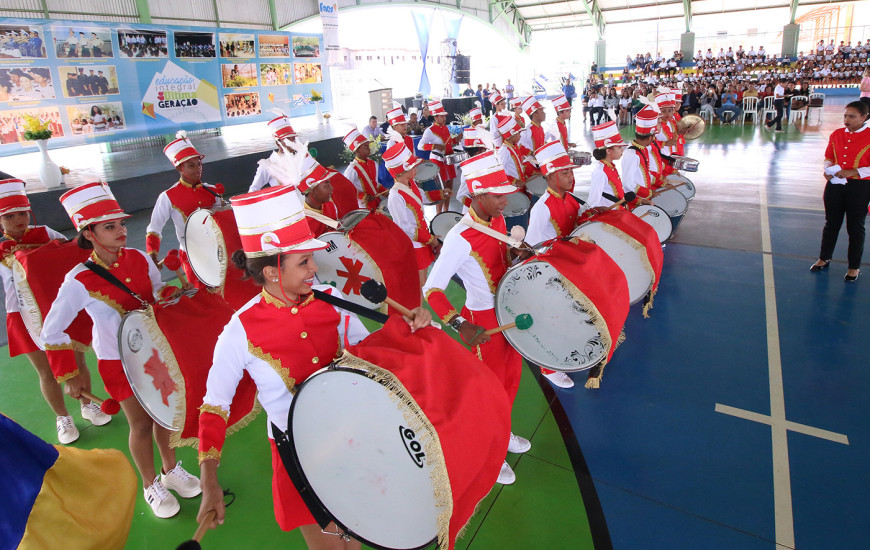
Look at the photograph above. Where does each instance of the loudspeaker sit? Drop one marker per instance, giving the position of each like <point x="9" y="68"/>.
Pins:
<point x="463" y="69"/>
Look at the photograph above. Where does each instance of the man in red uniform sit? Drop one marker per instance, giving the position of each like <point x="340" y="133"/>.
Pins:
<point x="536" y="135"/>
<point x="558" y="131"/>
<point x="438" y="140"/>
<point x="363" y="171"/>
<point x="316" y="187"/>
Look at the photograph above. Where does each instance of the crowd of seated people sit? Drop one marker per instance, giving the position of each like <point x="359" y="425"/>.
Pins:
<point x="646" y="65"/>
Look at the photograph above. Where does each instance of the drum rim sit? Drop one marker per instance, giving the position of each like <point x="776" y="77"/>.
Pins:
<point x="346" y="229"/>
<point x="678" y="193"/>
<point x="303" y="479"/>
<point x="435" y="166"/>
<point x="537" y="177"/>
<point x="524" y="198"/>
<point x="671" y="234"/>
<point x="432" y="221"/>
<point x="507" y="335"/>
<point x="222" y="244"/>
<point x="382" y="307"/>
<point x="19" y="277"/>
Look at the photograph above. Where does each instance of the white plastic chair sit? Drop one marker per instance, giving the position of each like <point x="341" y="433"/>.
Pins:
<point x="706" y="115"/>
<point x="816" y="104"/>
<point x="750" y="108"/>
<point x="767" y="108"/>
<point x="798" y="113"/>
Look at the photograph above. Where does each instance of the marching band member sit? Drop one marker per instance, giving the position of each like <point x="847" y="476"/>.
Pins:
<point x="114" y="281"/>
<point x="534" y="138"/>
<point x="636" y="172"/>
<point x="471" y="136"/>
<point x="680" y="148"/>
<point x="512" y="155"/>
<point x="363" y="171"/>
<point x="558" y="131"/>
<point x="398" y="131"/>
<point x="499" y="102"/>
<point x="405" y="203"/>
<point x="609" y="147"/>
<point x="438" y="140"/>
<point x="474" y="251"/>
<point x="316" y="186"/>
<point x="20" y="235"/>
<point x="666" y="138"/>
<point x="281" y="337"/>
<point x="517" y="108"/>
<point x="181" y="200"/>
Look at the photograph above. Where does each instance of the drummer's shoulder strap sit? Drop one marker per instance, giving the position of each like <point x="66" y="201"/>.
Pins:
<point x="107" y="275"/>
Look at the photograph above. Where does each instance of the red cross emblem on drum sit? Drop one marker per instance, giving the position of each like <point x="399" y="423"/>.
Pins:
<point x="163" y="382"/>
<point x="345" y="265"/>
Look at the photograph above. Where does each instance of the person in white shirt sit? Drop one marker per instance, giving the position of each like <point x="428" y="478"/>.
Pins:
<point x="609" y="148"/>
<point x="779" y="104"/>
<point x="281" y="131"/>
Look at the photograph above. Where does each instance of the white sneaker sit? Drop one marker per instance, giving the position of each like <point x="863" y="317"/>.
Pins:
<point x="559" y="379"/>
<point x="518" y="444"/>
<point x="92" y="412"/>
<point x="506" y="476"/>
<point x="161" y="501"/>
<point x="177" y="479"/>
<point x="66" y="430"/>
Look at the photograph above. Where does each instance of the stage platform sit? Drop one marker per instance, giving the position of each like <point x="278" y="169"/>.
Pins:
<point x="137" y="177"/>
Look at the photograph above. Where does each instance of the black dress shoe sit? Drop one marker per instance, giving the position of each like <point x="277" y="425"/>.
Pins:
<point x="814" y="268"/>
<point x="849" y="278"/>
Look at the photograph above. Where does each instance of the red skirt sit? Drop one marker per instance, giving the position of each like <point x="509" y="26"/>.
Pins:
<point x="290" y="510"/>
<point x="424" y="257"/>
<point x="112" y="373"/>
<point x="20" y="341"/>
<point x="497" y="354"/>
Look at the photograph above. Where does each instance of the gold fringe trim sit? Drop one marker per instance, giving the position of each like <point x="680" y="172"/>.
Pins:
<point x="417" y="421"/>
<point x="276" y="365"/>
<point x="211" y="454"/>
<point x="649" y="303"/>
<point x="59" y="347"/>
<point x="248" y="418"/>
<point x="100" y="297"/>
<point x="67" y="376"/>
<point x="464" y="528"/>
<point x="595" y="316"/>
<point x="450" y="314"/>
<point x="215" y="409"/>
<point x="483" y="267"/>
<point x="28" y="307"/>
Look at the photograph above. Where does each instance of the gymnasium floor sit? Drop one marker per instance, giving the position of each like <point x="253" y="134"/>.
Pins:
<point x="735" y="417"/>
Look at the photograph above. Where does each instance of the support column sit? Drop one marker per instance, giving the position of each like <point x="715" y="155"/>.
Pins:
<point x="273" y="13"/>
<point x="600" y="52"/>
<point x="687" y="46"/>
<point x="790" y="35"/>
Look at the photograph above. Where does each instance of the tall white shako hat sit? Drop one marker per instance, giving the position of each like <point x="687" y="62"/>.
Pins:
<point x="281" y="128"/>
<point x="353" y="140"/>
<point x="399" y="159"/>
<point x="517" y="102"/>
<point x="91" y="203"/>
<point x="435" y="108"/>
<point x="312" y="174"/>
<point x="396" y="116"/>
<point x="180" y="149"/>
<point x="664" y="99"/>
<point x="560" y="103"/>
<point x="646" y="120"/>
<point x="607" y="135"/>
<point x="495" y="98"/>
<point x="530" y="105"/>
<point x="470" y="139"/>
<point x="476" y="114"/>
<point x="272" y="221"/>
<point x="484" y="174"/>
<point x="552" y="157"/>
<point x="508" y="127"/>
<point x="13" y="198"/>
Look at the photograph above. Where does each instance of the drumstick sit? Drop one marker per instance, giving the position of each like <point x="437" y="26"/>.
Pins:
<point x="376" y="293"/>
<point x="193" y="544"/>
<point x="522" y="322"/>
<point x="108" y="405"/>
<point x="173" y="262"/>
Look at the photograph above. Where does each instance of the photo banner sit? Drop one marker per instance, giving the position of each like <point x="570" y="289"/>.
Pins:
<point x="329" y="20"/>
<point x="98" y="82"/>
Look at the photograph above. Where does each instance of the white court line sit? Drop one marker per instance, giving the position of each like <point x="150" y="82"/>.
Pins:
<point x="788" y="425"/>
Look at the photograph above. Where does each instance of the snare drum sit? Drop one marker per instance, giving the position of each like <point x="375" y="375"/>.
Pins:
<point x="632" y="244"/>
<point x="518" y="205"/>
<point x="577" y="318"/>
<point x="211" y="239"/>
<point x="381" y="441"/>
<point x="537" y="185"/>
<point x="657" y="218"/>
<point x="443" y="223"/>
<point x="683" y="184"/>
<point x="671" y="201"/>
<point x="455" y="158"/>
<point x="369" y="246"/>
<point x="428" y="179"/>
<point x="580" y="158"/>
<point x="685" y="163"/>
<point x="168" y="374"/>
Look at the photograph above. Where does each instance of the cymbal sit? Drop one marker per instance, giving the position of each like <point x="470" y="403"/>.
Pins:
<point x="691" y="126"/>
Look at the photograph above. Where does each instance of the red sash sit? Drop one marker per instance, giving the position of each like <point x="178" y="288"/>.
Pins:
<point x="187" y="199"/>
<point x="538" y="136"/>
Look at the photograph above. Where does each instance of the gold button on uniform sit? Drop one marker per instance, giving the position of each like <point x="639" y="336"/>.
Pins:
<point x="315" y="360"/>
<point x="294" y="310"/>
<point x="115" y="264"/>
<point x="127" y="280"/>
<point x="304" y="335"/>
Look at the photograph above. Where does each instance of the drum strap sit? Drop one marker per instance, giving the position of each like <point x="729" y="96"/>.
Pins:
<point x="513" y="243"/>
<point x="325" y="220"/>
<point x="107" y="275"/>
<point x="346" y="305"/>
<point x="406" y="189"/>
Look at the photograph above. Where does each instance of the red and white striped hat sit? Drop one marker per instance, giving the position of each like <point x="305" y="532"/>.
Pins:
<point x="508" y="127"/>
<point x="483" y="174"/>
<point x="435" y="108"/>
<point x="396" y="116"/>
<point x="530" y="105"/>
<point x="354" y="139"/>
<point x="607" y="135"/>
<point x="470" y="139"/>
<point x="399" y="159"/>
<point x="476" y="114"/>
<point x="517" y="102"/>
<point x="646" y="121"/>
<point x="271" y="221"/>
<point x="281" y="128"/>
<point x="495" y="98"/>
<point x="13" y="198"/>
<point x="560" y="103"/>
<point x="664" y="99"/>
<point x="552" y="157"/>
<point x="312" y="174"/>
<point x="91" y="203"/>
<point x="180" y="150"/>
<point x="678" y="95"/>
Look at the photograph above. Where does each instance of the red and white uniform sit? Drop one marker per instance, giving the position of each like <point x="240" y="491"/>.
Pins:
<point x="635" y="170"/>
<point x="263" y="176"/>
<point x="605" y="179"/>
<point x="106" y="304"/>
<point x="405" y="203"/>
<point x="850" y="151"/>
<point x="19" y="339"/>
<point x="408" y="141"/>
<point x="311" y="335"/>
<point x="552" y="217"/>
<point x="558" y="131"/>
<point x="512" y="158"/>
<point x="481" y="261"/>
<point x="363" y="174"/>
<point x="328" y="209"/>
<point x="438" y="134"/>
